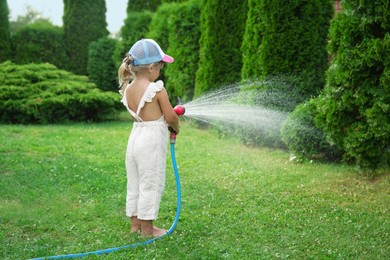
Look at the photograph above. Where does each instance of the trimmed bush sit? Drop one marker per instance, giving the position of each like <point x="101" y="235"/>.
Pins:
<point x="355" y="106"/>
<point x="142" y="5"/>
<point x="222" y="30"/>
<point x="84" y="22"/>
<point x="304" y="139"/>
<point x="251" y="42"/>
<point x="39" y="42"/>
<point x="159" y="30"/>
<point x="40" y="93"/>
<point x="184" y="47"/>
<point x="5" y="35"/>
<point x="288" y="39"/>
<point x="102" y="69"/>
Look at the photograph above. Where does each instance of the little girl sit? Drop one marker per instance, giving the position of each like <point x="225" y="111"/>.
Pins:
<point x="148" y="103"/>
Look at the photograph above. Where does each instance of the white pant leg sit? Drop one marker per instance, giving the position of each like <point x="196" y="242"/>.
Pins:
<point x="132" y="176"/>
<point x="148" y="164"/>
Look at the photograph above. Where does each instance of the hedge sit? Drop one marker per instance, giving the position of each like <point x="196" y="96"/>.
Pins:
<point x="5" y="35"/>
<point x="355" y="106"/>
<point x="222" y="30"/>
<point x="288" y="39"/>
<point x="39" y="42"/>
<point x="101" y="66"/>
<point x="40" y="93"/>
<point x="184" y="47"/>
<point x="84" y="22"/>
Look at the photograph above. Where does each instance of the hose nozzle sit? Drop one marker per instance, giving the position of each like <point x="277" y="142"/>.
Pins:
<point x="179" y="110"/>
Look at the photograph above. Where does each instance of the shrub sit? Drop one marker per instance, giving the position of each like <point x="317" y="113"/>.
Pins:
<point x="159" y="31"/>
<point x="355" y="106"/>
<point x="288" y="39"/>
<point x="84" y="22"/>
<point x="40" y="93"/>
<point x="141" y="5"/>
<point x="39" y="42"/>
<point x="184" y="47"/>
<point x="303" y="138"/>
<point x="101" y="65"/>
<point x="5" y="35"/>
<point x="222" y="29"/>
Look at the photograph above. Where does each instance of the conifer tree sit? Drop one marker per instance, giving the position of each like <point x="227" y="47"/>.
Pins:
<point x="355" y="106"/>
<point x="184" y="34"/>
<point x="222" y="30"/>
<point x="84" y="22"/>
<point x="142" y="5"/>
<point x="288" y="38"/>
<point x="5" y="37"/>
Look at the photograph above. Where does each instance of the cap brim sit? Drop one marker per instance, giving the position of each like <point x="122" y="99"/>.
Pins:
<point x="167" y="59"/>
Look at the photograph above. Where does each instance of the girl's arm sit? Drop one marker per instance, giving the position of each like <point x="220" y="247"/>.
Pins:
<point x="167" y="110"/>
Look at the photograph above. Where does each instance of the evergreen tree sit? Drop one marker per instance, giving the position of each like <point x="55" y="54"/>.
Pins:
<point x="102" y="69"/>
<point x="84" y="22"/>
<point x="5" y="37"/>
<point x="142" y="5"/>
<point x="184" y="34"/>
<point x="39" y="42"/>
<point x="222" y="30"/>
<point x="288" y="38"/>
<point x="355" y="106"/>
<point x="159" y="30"/>
<point x="252" y="41"/>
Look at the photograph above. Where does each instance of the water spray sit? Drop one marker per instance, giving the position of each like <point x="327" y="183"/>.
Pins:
<point x="179" y="110"/>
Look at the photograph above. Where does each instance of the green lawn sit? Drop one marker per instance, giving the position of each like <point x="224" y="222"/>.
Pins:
<point x="63" y="191"/>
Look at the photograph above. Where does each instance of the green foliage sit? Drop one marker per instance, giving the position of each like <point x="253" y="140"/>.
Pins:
<point x="39" y="42"/>
<point x="159" y="31"/>
<point x="101" y="65"/>
<point x="5" y="36"/>
<point x="288" y="38"/>
<point x="184" y="47"/>
<point x="355" y="106"/>
<point x="303" y="138"/>
<point x="174" y="1"/>
<point x="222" y="30"/>
<point x="142" y="5"/>
<point x="84" y="22"/>
<point x="159" y="26"/>
<point x="251" y="42"/>
<point x="40" y="93"/>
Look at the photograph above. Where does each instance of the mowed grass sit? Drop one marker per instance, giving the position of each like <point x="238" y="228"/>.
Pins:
<point x="63" y="191"/>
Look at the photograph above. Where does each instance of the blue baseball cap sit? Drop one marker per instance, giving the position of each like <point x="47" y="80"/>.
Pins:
<point x="147" y="51"/>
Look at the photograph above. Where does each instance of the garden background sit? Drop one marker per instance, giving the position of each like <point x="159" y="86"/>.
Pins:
<point x="329" y="68"/>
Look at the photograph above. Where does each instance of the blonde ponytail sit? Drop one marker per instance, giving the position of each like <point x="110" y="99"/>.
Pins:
<point x="125" y="73"/>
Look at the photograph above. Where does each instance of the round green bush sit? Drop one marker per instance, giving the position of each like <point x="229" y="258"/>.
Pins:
<point x="304" y="139"/>
<point x="41" y="93"/>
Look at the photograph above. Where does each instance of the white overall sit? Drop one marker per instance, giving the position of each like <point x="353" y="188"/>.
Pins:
<point x="146" y="160"/>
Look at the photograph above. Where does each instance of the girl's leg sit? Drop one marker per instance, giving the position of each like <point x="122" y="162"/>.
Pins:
<point x="135" y="224"/>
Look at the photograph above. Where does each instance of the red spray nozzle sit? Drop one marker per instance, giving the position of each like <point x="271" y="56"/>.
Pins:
<point x="179" y="110"/>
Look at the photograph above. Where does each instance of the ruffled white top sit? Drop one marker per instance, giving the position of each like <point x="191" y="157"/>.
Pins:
<point x="148" y="96"/>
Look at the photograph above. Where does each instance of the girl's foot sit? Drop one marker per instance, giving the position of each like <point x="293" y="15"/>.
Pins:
<point x="158" y="232"/>
<point x="154" y="232"/>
